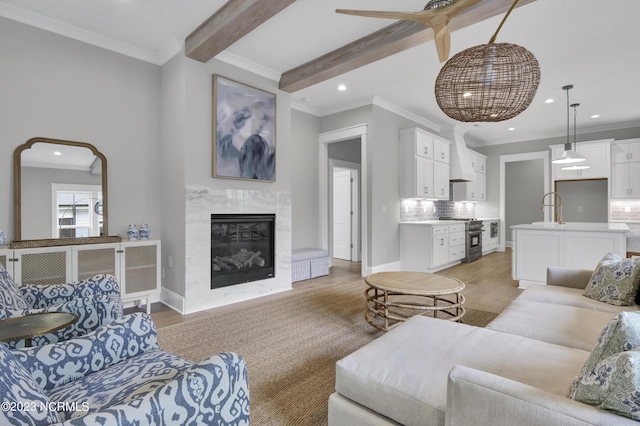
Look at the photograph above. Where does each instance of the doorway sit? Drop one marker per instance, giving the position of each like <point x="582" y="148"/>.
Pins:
<point x="359" y="134"/>
<point x="544" y="177"/>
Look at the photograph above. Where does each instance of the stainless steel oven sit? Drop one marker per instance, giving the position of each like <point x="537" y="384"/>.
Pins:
<point x="493" y="230"/>
<point x="473" y="238"/>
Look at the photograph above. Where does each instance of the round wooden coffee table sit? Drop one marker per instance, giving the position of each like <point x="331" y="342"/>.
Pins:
<point x="393" y="297"/>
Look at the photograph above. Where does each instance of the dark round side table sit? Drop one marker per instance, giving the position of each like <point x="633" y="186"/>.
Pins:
<point x="32" y="325"/>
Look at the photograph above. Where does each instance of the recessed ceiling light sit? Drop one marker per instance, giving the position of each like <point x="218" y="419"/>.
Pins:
<point x="306" y="100"/>
<point x="549" y="101"/>
<point x="511" y="128"/>
<point x="466" y="95"/>
<point x="595" y="116"/>
<point x="342" y="87"/>
<point x="57" y="153"/>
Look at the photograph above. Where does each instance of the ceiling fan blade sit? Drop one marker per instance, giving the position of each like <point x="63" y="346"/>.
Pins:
<point x="443" y="41"/>
<point x="423" y="16"/>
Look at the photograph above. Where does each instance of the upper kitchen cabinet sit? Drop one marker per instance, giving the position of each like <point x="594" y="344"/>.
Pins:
<point x="477" y="189"/>
<point x="424" y="165"/>
<point x="625" y="151"/>
<point x="625" y="169"/>
<point x="597" y="153"/>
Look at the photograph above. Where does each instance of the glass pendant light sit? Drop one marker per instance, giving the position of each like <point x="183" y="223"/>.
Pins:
<point x="582" y="165"/>
<point x="569" y="156"/>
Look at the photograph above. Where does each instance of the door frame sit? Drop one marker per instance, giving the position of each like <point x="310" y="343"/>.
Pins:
<point x="512" y="158"/>
<point x="324" y="139"/>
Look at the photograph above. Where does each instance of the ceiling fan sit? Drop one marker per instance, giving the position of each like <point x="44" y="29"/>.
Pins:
<point x="436" y="14"/>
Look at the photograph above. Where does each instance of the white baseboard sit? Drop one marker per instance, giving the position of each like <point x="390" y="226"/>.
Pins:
<point x="173" y="300"/>
<point x="387" y="267"/>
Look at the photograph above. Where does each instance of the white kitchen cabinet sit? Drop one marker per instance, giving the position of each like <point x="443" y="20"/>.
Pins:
<point x="441" y="150"/>
<point x="475" y="190"/>
<point x="625" y="169"/>
<point x="135" y="264"/>
<point x="625" y="180"/>
<point x="597" y="153"/>
<point x="625" y="151"/>
<point x="424" y="165"/>
<point x="431" y="247"/>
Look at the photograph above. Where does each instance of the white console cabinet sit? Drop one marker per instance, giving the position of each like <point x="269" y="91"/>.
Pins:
<point x="135" y="264"/>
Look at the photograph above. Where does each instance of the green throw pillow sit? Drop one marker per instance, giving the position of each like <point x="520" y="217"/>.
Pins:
<point x="615" y="281"/>
<point x="613" y="385"/>
<point x="621" y="334"/>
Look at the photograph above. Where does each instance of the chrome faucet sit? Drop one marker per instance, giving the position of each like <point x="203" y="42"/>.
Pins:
<point x="558" y="206"/>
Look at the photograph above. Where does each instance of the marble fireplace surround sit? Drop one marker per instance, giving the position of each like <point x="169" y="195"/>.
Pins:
<point x="201" y="203"/>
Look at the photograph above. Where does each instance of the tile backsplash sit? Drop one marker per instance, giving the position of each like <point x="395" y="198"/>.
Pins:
<point x="416" y="210"/>
<point x="624" y="210"/>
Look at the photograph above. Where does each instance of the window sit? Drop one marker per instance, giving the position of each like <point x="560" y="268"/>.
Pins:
<point x="77" y="210"/>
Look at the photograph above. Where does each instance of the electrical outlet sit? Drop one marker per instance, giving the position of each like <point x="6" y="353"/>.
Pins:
<point x="383" y="209"/>
<point x="580" y="209"/>
<point x="170" y="261"/>
<point x="384" y="253"/>
<point x="627" y="209"/>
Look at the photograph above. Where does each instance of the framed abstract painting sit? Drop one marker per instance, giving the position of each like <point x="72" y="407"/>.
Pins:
<point x="244" y="131"/>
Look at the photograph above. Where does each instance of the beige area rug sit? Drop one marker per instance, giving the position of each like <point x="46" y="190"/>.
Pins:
<point x="290" y="344"/>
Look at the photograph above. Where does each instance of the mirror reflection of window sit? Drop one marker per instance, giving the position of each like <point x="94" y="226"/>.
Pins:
<point x="74" y="212"/>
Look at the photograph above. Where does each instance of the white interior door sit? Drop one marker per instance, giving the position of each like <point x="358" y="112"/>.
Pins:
<point x="342" y="214"/>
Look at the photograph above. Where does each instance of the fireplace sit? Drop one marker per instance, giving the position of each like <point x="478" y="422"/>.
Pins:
<point x="242" y="248"/>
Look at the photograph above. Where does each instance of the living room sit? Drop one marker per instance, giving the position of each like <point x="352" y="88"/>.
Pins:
<point x="153" y="124"/>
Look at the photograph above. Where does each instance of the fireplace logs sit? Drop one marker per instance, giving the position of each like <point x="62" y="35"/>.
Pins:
<point x="242" y="259"/>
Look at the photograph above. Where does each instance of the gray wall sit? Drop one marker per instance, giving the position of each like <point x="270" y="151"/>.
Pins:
<point x="56" y="87"/>
<point x="585" y="200"/>
<point x="346" y="151"/>
<point x="523" y="192"/>
<point x="305" y="189"/>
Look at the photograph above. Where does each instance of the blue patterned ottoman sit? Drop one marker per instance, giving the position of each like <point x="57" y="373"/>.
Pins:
<point x="307" y="263"/>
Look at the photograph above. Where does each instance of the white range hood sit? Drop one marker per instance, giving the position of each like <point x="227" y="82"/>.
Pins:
<point x="460" y="167"/>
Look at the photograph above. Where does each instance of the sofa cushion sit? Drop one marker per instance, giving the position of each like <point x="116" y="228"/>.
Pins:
<point x="570" y="297"/>
<point x="615" y="281"/>
<point x="11" y="301"/>
<point x="22" y="399"/>
<point x="613" y="385"/>
<point x="403" y="374"/>
<point x="621" y="334"/>
<point x="563" y="325"/>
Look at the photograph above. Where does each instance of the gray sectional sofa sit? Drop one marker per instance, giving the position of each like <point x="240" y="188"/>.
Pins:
<point x="516" y="371"/>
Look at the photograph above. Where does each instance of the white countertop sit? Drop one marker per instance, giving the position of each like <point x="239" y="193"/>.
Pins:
<point x="575" y="226"/>
<point x="432" y="222"/>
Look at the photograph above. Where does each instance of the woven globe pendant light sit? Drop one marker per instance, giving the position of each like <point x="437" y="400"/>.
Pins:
<point x="488" y="83"/>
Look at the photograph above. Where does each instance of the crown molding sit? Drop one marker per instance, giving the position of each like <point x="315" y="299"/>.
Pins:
<point x="76" y="33"/>
<point x="245" y="64"/>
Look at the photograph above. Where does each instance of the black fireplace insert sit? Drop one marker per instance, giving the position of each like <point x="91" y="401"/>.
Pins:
<point x="242" y="248"/>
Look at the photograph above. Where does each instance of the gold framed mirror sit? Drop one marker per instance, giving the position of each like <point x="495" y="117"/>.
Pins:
<point x="40" y="154"/>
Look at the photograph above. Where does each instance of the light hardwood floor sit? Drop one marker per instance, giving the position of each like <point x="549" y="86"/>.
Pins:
<point x="489" y="287"/>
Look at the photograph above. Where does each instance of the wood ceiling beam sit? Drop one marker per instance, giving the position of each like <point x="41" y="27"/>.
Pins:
<point x="388" y="41"/>
<point x="229" y="24"/>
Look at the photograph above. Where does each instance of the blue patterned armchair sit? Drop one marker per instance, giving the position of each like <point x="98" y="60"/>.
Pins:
<point x="96" y="301"/>
<point x="117" y="375"/>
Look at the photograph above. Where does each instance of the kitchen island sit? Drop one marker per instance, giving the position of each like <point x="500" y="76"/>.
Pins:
<point x="580" y="245"/>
